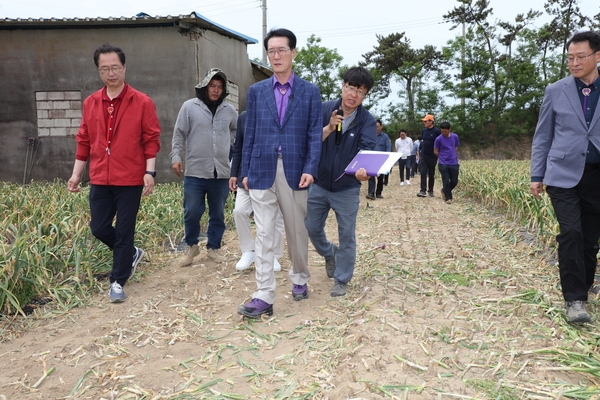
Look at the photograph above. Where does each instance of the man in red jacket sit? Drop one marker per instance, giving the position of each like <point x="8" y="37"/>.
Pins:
<point x="119" y="134"/>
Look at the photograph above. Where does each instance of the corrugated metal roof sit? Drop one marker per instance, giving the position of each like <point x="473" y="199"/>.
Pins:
<point x="139" y="20"/>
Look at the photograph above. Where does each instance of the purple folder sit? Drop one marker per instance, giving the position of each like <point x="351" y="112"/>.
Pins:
<point x="371" y="162"/>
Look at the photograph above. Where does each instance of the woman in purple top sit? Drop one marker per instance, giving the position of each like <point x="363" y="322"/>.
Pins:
<point x="445" y="147"/>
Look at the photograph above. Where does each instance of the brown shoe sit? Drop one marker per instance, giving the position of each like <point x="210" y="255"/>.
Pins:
<point x="215" y="255"/>
<point x="185" y="260"/>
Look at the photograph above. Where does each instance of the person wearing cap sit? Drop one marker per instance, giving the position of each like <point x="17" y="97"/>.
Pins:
<point x="206" y="127"/>
<point x="427" y="157"/>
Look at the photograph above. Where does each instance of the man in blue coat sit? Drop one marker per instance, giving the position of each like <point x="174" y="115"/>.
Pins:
<point x="343" y="138"/>
<point x="565" y="156"/>
<point x="382" y="143"/>
<point x="282" y="145"/>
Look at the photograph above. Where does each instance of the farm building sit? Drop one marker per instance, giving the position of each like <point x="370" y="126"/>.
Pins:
<point x="47" y="71"/>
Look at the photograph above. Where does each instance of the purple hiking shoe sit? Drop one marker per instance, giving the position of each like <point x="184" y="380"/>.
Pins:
<point x="255" y="308"/>
<point x="300" y="292"/>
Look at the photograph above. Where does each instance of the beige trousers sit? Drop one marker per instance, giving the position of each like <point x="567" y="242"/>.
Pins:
<point x="292" y="204"/>
<point x="241" y="216"/>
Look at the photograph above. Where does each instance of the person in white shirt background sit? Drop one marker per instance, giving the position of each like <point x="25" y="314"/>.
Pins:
<point x="404" y="146"/>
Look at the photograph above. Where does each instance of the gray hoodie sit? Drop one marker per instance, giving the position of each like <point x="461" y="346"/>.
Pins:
<point x="206" y="135"/>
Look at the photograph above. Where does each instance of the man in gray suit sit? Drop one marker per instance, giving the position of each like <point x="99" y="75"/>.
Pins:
<point x="565" y="156"/>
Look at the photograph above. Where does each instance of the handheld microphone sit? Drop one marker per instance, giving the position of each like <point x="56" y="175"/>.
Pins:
<point x="338" y="130"/>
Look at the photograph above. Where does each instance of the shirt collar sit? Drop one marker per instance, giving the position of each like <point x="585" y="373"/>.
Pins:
<point x="290" y="81"/>
<point x="594" y="85"/>
<point x="119" y="97"/>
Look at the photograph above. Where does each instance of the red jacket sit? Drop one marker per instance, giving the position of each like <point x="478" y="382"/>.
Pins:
<point x="135" y="139"/>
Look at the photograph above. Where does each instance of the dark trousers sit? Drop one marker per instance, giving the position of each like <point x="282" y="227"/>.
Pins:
<point x="413" y="165"/>
<point x="449" y="178"/>
<point x="402" y="165"/>
<point x="427" y="165"/>
<point x="578" y="213"/>
<point x="106" y="202"/>
<point x="372" y="189"/>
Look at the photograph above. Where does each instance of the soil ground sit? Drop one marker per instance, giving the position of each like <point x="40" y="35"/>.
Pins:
<point x="447" y="302"/>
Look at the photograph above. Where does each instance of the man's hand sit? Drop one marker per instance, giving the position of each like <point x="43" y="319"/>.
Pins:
<point x="305" y="180"/>
<point x="73" y="184"/>
<point x="361" y="174"/>
<point x="177" y="168"/>
<point x="245" y="182"/>
<point x="537" y="188"/>
<point x="148" y="184"/>
<point x="233" y="184"/>
<point x="334" y="121"/>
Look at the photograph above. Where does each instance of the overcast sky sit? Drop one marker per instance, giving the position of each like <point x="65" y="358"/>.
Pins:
<point x="349" y="26"/>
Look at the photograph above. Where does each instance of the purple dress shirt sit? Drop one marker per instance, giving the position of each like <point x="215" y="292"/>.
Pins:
<point x="282" y="96"/>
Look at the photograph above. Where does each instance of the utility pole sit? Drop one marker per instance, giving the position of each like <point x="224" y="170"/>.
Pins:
<point x="462" y="67"/>
<point x="264" y="30"/>
<point x="462" y="60"/>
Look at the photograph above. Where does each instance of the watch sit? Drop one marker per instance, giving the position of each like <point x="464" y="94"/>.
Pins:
<point x="153" y="173"/>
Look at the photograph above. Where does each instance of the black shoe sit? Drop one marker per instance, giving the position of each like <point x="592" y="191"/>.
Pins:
<point x="422" y="193"/>
<point x="330" y="264"/>
<point x="339" y="289"/>
<point x="370" y="197"/>
<point x="379" y="196"/>
<point x="430" y="194"/>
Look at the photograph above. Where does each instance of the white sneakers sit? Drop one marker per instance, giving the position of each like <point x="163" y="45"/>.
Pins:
<point x="408" y="182"/>
<point x="247" y="260"/>
<point x="401" y="183"/>
<point x="276" y="266"/>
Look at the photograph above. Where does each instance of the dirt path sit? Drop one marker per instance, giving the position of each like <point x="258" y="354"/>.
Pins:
<point x="448" y="309"/>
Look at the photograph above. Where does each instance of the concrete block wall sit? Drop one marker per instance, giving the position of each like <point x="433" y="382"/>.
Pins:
<point x="58" y="112"/>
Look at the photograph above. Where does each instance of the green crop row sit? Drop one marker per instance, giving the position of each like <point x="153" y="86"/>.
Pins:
<point x="48" y="252"/>
<point x="504" y="186"/>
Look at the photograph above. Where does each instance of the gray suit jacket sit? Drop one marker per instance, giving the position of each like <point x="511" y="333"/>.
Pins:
<point x="561" y="137"/>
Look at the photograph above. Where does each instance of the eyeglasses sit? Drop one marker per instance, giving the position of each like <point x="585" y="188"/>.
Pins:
<point x="106" y="70"/>
<point x="572" y="59"/>
<point x="282" y="51"/>
<point x="213" y="86"/>
<point x="354" y="91"/>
